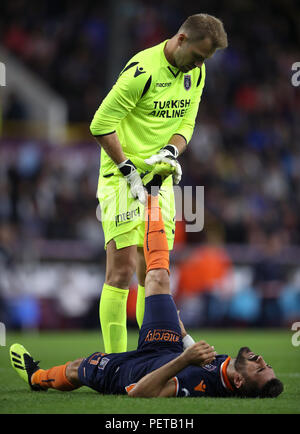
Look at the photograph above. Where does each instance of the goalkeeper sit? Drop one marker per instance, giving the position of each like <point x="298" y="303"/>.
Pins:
<point x="148" y="117"/>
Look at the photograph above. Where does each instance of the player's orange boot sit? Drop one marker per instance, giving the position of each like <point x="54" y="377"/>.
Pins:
<point x="24" y="365"/>
<point x="153" y="180"/>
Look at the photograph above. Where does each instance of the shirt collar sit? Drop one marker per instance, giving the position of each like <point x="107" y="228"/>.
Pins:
<point x="223" y="374"/>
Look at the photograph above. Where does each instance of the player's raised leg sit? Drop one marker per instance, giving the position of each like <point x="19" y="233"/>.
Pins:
<point x="156" y="250"/>
<point x="160" y="315"/>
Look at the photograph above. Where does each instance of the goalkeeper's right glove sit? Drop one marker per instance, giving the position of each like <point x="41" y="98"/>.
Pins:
<point x="167" y="154"/>
<point x="128" y="170"/>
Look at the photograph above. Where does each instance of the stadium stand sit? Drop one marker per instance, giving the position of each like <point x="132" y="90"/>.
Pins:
<point x="244" y="152"/>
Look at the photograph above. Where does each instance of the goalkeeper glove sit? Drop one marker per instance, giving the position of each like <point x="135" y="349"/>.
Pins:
<point x="128" y="170"/>
<point x="167" y="154"/>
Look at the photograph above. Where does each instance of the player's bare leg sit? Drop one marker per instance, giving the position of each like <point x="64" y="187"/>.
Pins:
<point x="120" y="265"/>
<point x="141" y="275"/>
<point x="72" y="372"/>
<point x="141" y="266"/>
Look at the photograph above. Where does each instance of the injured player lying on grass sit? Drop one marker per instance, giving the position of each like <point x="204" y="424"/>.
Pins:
<point x="167" y="362"/>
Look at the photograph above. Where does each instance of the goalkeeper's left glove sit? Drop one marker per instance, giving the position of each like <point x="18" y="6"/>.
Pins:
<point x="167" y="154"/>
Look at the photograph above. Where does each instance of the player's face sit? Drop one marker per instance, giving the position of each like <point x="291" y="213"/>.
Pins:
<point x="190" y="55"/>
<point x="253" y="367"/>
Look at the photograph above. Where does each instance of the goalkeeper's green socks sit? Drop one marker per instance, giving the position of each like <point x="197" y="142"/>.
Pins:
<point x="113" y="318"/>
<point x="140" y="305"/>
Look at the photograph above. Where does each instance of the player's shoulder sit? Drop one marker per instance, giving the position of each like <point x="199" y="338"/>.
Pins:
<point x="152" y="53"/>
<point x="144" y="62"/>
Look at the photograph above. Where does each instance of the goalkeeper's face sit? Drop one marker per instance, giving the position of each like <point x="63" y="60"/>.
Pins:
<point x="192" y="54"/>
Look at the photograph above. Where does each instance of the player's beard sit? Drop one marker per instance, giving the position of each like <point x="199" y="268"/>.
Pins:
<point x="250" y="387"/>
<point x="240" y="361"/>
<point x="180" y="61"/>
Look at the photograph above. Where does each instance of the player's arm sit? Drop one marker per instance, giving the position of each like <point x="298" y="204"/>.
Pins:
<point x="112" y="146"/>
<point x="157" y="383"/>
<point x="187" y="125"/>
<point x="187" y="340"/>
<point x="122" y="98"/>
<point x="178" y="142"/>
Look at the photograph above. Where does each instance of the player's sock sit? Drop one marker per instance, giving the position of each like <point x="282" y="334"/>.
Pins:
<point x="54" y="378"/>
<point x="140" y="305"/>
<point x="153" y="180"/>
<point x="156" y="250"/>
<point x="112" y="312"/>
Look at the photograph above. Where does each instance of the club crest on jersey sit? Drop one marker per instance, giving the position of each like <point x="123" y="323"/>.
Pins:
<point x="187" y="81"/>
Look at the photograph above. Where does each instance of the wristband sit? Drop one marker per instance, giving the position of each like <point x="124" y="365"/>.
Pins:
<point x="172" y="149"/>
<point x="126" y="167"/>
<point x="187" y="341"/>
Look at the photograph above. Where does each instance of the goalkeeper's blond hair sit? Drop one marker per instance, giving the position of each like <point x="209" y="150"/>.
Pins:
<point x="201" y="26"/>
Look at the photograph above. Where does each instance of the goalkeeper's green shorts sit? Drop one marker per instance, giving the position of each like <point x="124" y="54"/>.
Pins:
<point x="122" y="217"/>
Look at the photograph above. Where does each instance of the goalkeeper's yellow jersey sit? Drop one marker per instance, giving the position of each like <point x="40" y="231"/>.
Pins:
<point x="150" y="101"/>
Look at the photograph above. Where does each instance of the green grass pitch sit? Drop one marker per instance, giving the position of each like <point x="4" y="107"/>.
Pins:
<point x="55" y="348"/>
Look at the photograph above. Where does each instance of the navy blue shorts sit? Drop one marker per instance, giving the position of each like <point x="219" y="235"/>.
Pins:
<point x="160" y="332"/>
<point x="160" y="329"/>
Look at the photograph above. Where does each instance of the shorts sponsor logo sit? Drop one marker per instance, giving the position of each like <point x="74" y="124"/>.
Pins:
<point x="187" y="200"/>
<point x="127" y="216"/>
<point x="162" y="336"/>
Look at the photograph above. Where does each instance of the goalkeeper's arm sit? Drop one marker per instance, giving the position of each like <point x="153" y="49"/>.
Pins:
<point x="180" y="143"/>
<point x="113" y="148"/>
<point x="169" y="153"/>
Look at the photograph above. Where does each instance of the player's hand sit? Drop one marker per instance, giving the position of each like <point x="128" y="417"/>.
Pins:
<point x="182" y="328"/>
<point x="201" y="353"/>
<point x="168" y="154"/>
<point x="128" y="170"/>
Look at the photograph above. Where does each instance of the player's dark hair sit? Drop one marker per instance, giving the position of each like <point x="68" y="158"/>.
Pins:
<point x="271" y="389"/>
<point x="201" y="26"/>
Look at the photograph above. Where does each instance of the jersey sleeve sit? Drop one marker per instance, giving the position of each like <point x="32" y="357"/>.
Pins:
<point x="187" y="125"/>
<point x="187" y="386"/>
<point x="122" y="98"/>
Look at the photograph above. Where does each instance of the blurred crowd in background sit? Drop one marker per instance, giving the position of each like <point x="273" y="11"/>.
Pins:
<point x="244" y="151"/>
